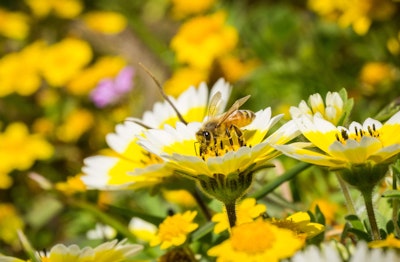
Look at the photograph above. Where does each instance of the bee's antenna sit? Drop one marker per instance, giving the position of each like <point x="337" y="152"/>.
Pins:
<point x="163" y="94"/>
<point x="138" y="121"/>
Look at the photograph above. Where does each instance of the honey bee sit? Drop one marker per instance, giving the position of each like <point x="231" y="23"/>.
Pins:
<point x="219" y="131"/>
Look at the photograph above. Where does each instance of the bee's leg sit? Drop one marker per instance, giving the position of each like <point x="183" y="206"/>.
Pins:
<point x="239" y="134"/>
<point x="229" y="135"/>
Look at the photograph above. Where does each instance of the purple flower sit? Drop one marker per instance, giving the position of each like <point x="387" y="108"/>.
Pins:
<point x="109" y="90"/>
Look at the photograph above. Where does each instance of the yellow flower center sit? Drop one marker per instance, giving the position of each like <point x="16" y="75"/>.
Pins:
<point x="251" y="238"/>
<point x="344" y="135"/>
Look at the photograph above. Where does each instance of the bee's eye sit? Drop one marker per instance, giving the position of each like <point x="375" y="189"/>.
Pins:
<point x="207" y="135"/>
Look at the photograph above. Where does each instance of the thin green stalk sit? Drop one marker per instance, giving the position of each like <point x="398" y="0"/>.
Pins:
<point x="107" y="219"/>
<point x="346" y="193"/>
<point x="199" y="200"/>
<point x="367" y="195"/>
<point x="231" y="211"/>
<point x="288" y="175"/>
<point x="395" y="204"/>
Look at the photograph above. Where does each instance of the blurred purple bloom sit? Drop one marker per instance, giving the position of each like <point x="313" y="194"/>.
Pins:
<point x="110" y="90"/>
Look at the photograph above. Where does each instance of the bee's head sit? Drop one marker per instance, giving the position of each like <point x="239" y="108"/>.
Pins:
<point x="204" y="136"/>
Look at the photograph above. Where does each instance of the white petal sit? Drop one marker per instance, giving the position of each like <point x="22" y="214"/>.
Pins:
<point x="395" y="119"/>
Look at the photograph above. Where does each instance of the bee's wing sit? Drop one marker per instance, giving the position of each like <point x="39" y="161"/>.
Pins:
<point x="233" y="108"/>
<point x="214" y="105"/>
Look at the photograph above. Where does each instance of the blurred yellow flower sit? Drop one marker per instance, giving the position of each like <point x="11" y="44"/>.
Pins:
<point x="356" y="13"/>
<point x="376" y="72"/>
<point x="180" y="196"/>
<point x="374" y="76"/>
<point x="76" y="123"/>
<point x="105" y="22"/>
<point x="19" y="149"/>
<point x="393" y="44"/>
<point x="73" y="185"/>
<point x="390" y="242"/>
<point x="10" y="222"/>
<point x="329" y="209"/>
<point x="19" y="71"/>
<point x="182" y="8"/>
<point x="64" y="60"/>
<point x="174" y="229"/>
<point x="300" y="224"/>
<point x="43" y="126"/>
<point x="201" y="40"/>
<point x="182" y="79"/>
<point x="62" y="8"/>
<point x="13" y="24"/>
<point x="234" y="69"/>
<point x="88" y="78"/>
<point x="246" y="211"/>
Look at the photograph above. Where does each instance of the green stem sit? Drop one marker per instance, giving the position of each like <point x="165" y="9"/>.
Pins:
<point x="231" y="211"/>
<point x="395" y="203"/>
<point x="288" y="175"/>
<point x="367" y="195"/>
<point x="346" y="193"/>
<point x="199" y="200"/>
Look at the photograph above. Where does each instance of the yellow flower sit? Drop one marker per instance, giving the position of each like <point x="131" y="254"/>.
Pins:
<point x="182" y="79"/>
<point x="77" y="122"/>
<point x="329" y="209"/>
<point x="257" y="241"/>
<point x="234" y="69"/>
<point x="181" y="197"/>
<point x="391" y="241"/>
<point x="105" y="22"/>
<point x="62" y="8"/>
<point x="19" y="149"/>
<point x="64" y="60"/>
<point x="182" y="8"/>
<point x="142" y="229"/>
<point x="13" y="24"/>
<point x="300" y="224"/>
<point x="247" y="210"/>
<point x="393" y="44"/>
<point x="174" y="229"/>
<point x="10" y="223"/>
<point x="376" y="76"/>
<point x="19" y="72"/>
<point x="88" y="78"/>
<point x="356" y="13"/>
<point x="73" y="185"/>
<point x="376" y="72"/>
<point x="201" y="40"/>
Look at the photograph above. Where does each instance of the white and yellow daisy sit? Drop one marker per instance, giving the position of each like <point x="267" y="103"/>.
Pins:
<point x="361" y="144"/>
<point x="128" y="165"/>
<point x="227" y="174"/>
<point x="109" y="251"/>
<point x="361" y="154"/>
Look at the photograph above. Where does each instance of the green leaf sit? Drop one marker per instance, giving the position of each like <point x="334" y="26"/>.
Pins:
<point x="391" y="194"/>
<point x="202" y="231"/>
<point x="355" y="222"/>
<point x="290" y="174"/>
<point x="129" y="213"/>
